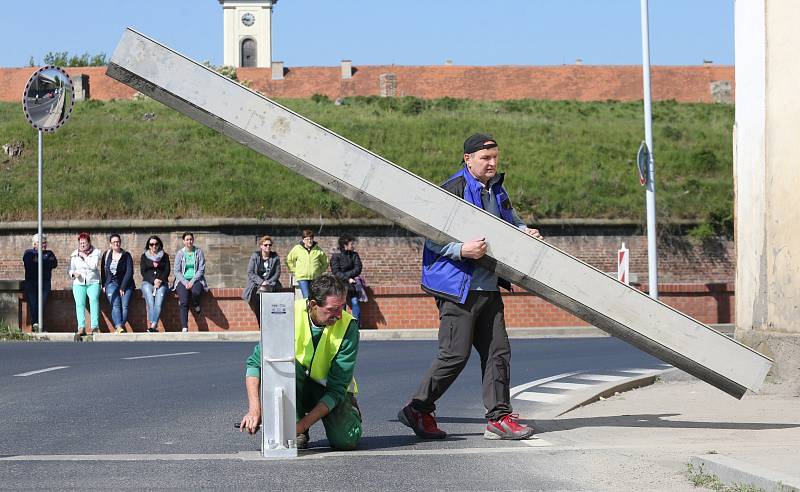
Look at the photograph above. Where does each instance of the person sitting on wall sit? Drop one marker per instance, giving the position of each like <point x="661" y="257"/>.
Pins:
<point x="30" y="259"/>
<point x="116" y="277"/>
<point x="154" y="267"/>
<point x="84" y="270"/>
<point x="326" y="349"/>
<point x="306" y="261"/>
<point x="263" y="274"/>
<point x="346" y="266"/>
<point x="190" y="278"/>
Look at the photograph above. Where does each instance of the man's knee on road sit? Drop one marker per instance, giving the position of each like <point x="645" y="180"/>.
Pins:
<point x="346" y="441"/>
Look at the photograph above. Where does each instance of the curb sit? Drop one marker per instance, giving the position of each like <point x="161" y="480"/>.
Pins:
<point x="254" y="336"/>
<point x="734" y="472"/>
<point x="382" y="334"/>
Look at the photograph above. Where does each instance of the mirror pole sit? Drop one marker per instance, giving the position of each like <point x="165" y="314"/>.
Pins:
<point x="40" y="309"/>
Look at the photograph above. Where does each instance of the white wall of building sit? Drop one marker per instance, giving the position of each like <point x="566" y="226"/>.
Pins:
<point x="767" y="180"/>
<point x="235" y="31"/>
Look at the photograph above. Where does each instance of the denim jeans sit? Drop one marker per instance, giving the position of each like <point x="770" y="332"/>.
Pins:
<point x="355" y="308"/>
<point x="304" y="284"/>
<point x="119" y="303"/>
<point x="32" y="294"/>
<point x="153" y="302"/>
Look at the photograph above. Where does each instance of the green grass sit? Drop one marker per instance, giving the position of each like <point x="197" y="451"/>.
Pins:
<point x="700" y="478"/>
<point x="564" y="159"/>
<point x="14" y="334"/>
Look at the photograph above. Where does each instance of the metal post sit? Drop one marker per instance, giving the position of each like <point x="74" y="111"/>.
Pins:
<point x="278" y="399"/>
<point x="652" y="250"/>
<point x="40" y="310"/>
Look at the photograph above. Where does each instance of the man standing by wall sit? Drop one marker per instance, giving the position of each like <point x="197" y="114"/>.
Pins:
<point x="470" y="306"/>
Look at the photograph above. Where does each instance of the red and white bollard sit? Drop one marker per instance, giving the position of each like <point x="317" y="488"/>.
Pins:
<point x="623" y="264"/>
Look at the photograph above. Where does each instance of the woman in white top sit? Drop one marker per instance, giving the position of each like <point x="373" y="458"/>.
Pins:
<point x="84" y="269"/>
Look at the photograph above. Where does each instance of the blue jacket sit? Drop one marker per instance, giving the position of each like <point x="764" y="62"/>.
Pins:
<point x="449" y="278"/>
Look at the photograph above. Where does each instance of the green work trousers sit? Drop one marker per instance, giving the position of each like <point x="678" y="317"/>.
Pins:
<point x="342" y="424"/>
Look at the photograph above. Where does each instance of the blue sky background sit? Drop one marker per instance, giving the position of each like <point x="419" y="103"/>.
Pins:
<point x="373" y="32"/>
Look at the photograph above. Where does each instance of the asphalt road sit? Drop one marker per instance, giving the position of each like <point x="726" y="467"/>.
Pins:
<point x="102" y="420"/>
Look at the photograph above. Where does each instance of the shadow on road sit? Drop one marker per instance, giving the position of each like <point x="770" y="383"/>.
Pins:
<point x="652" y="421"/>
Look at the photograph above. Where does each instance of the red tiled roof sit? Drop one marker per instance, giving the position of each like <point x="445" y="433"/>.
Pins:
<point x="568" y="82"/>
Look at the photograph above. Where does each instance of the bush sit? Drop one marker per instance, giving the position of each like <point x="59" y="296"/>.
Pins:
<point x="320" y="98"/>
<point x="448" y="103"/>
<point x="704" y="160"/>
<point x="412" y="105"/>
<point x="671" y="133"/>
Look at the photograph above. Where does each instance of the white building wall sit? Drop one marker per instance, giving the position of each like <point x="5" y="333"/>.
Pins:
<point x="235" y="31"/>
<point x="767" y="181"/>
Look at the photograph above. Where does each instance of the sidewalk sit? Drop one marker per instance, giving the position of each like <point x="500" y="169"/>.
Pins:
<point x="681" y="420"/>
<point x="383" y="334"/>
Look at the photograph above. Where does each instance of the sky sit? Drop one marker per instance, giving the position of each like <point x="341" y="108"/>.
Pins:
<point x="380" y="32"/>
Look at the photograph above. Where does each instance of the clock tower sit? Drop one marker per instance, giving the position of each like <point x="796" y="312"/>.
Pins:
<point x="247" y="32"/>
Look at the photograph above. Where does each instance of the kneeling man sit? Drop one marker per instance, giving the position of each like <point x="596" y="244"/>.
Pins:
<point x="326" y="347"/>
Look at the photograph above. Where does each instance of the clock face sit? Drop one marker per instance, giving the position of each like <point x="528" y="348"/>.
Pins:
<point x="248" y="19"/>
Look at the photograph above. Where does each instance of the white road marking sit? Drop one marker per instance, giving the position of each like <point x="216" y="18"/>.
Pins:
<point x="641" y="371"/>
<point x="313" y="453"/>
<point x="535" y="442"/>
<point x="540" y="397"/>
<point x="565" y="386"/>
<point x="31" y="373"/>
<point x="601" y="377"/>
<point x="159" y="355"/>
<point x="522" y="387"/>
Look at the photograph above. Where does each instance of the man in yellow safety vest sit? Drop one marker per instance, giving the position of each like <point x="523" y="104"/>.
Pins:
<point x="326" y="347"/>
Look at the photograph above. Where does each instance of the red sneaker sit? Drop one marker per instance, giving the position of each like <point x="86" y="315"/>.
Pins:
<point x="423" y="424"/>
<point x="507" y="427"/>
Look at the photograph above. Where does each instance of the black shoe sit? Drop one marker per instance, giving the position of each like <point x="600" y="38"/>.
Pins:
<point x="302" y="440"/>
<point x="423" y="424"/>
<point x="79" y="336"/>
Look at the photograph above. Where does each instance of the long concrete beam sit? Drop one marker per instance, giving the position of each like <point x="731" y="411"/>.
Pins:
<point x="424" y="208"/>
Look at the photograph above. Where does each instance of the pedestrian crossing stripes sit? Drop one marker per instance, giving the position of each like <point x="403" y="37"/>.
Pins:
<point x="559" y="388"/>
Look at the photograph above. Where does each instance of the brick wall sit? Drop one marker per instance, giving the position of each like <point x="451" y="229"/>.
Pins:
<point x="389" y="307"/>
<point x="569" y="82"/>
<point x="696" y="278"/>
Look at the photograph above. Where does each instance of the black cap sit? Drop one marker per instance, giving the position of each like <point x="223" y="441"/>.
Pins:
<point x="478" y="141"/>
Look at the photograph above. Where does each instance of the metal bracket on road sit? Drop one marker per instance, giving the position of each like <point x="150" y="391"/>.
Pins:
<point x="278" y="398"/>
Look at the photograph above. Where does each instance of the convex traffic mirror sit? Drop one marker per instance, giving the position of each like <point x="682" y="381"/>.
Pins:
<point x="48" y="98"/>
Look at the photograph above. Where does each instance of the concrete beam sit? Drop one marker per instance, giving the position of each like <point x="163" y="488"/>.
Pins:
<point x="424" y="208"/>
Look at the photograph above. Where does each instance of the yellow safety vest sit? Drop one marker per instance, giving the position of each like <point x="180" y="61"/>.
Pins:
<point x="331" y="339"/>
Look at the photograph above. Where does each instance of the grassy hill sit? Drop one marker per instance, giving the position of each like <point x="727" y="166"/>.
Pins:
<point x="564" y="159"/>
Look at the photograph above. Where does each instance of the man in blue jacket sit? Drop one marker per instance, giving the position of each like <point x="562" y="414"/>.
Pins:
<point x="470" y="306"/>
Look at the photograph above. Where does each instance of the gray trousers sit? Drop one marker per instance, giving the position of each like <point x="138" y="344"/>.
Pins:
<point x="479" y="323"/>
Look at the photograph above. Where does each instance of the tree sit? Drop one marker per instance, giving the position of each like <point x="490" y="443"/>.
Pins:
<point x="63" y="59"/>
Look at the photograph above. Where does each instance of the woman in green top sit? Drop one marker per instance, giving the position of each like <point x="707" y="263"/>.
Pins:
<point x="190" y="280"/>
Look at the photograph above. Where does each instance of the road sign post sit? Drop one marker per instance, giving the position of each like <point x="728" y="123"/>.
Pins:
<point x="47" y="103"/>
